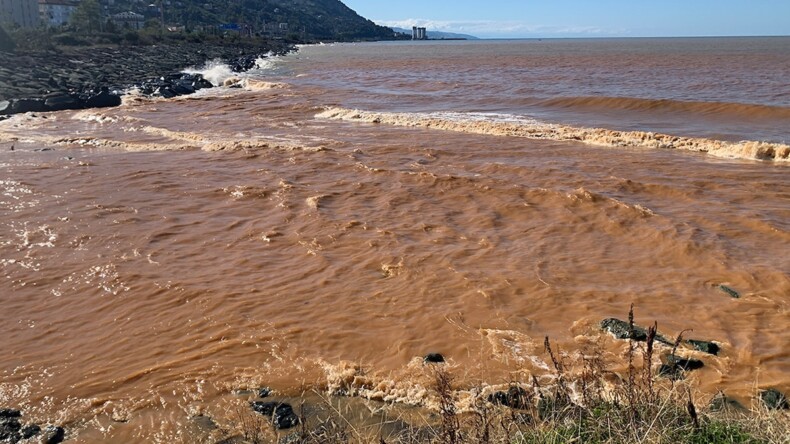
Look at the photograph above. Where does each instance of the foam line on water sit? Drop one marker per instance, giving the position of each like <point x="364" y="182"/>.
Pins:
<point x="519" y="126"/>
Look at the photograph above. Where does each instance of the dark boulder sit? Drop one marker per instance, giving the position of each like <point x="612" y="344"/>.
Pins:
<point x="5" y="107"/>
<point x="27" y="106"/>
<point x="704" y="346"/>
<point x="244" y="63"/>
<point x="104" y="99"/>
<point x="53" y="435"/>
<point x="201" y="83"/>
<point x="10" y="413"/>
<point x="60" y="102"/>
<point x="9" y="429"/>
<point x="282" y="414"/>
<point x="264" y="392"/>
<point x="622" y="330"/>
<point x="165" y="92"/>
<point x="174" y="76"/>
<point x="675" y="367"/>
<point x="30" y="431"/>
<point x="515" y="398"/>
<point x="433" y="358"/>
<point x="774" y="399"/>
<point x="182" y="88"/>
<point x="685" y="363"/>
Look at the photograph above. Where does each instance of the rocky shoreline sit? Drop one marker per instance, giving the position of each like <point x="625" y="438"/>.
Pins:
<point x="95" y="77"/>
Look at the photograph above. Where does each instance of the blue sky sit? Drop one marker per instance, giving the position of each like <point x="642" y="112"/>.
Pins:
<point x="583" y="18"/>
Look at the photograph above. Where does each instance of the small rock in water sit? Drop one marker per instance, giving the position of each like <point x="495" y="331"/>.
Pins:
<point x="282" y="414"/>
<point x="675" y="367"/>
<point x="433" y="358"/>
<point x="264" y="392"/>
<point x="730" y="291"/>
<point x="704" y="346"/>
<point x="53" y="435"/>
<point x="685" y="363"/>
<point x="622" y="330"/>
<point x="774" y="399"/>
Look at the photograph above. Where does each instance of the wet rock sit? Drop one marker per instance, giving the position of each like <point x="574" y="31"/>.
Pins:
<point x="182" y="88"/>
<point x="30" y="431"/>
<point x="730" y="291"/>
<point x="282" y="414"/>
<point x="165" y="92"/>
<point x="244" y="63"/>
<point x="5" y="107"/>
<point x="704" y="346"/>
<point x="675" y="367"/>
<point x="53" y="435"/>
<point x="264" y="392"/>
<point x="774" y="399"/>
<point x="515" y="398"/>
<point x="10" y="413"/>
<point x="9" y="427"/>
<point x="685" y="363"/>
<point x="433" y="358"/>
<point x="622" y="330"/>
<point x="723" y="403"/>
<point x="27" y="106"/>
<point x="60" y="102"/>
<point x="103" y="99"/>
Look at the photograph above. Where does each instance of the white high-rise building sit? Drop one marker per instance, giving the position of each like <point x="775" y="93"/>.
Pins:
<point x="418" y="33"/>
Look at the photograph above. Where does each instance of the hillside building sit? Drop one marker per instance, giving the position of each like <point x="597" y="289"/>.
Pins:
<point x="129" y="20"/>
<point x="56" y="12"/>
<point x="22" y="13"/>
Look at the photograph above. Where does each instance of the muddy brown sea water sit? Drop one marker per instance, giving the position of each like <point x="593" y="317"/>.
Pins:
<point x="354" y="207"/>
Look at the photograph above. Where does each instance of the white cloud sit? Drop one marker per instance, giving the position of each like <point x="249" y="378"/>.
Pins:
<point x="494" y="29"/>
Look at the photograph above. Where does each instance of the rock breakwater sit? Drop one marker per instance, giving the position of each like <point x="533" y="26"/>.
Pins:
<point x="95" y="77"/>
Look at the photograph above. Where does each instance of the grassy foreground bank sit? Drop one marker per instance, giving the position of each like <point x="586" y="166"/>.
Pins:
<point x="584" y="403"/>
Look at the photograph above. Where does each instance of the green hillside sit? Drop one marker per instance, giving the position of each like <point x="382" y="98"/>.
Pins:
<point x="312" y="19"/>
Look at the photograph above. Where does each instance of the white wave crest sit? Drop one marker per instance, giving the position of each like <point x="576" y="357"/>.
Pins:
<point x="215" y="71"/>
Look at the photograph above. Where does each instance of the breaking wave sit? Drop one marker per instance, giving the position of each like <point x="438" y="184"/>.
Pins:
<point x="518" y="126"/>
<point x="219" y="73"/>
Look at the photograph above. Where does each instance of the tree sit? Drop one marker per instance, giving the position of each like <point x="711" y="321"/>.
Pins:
<point x="87" y="16"/>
